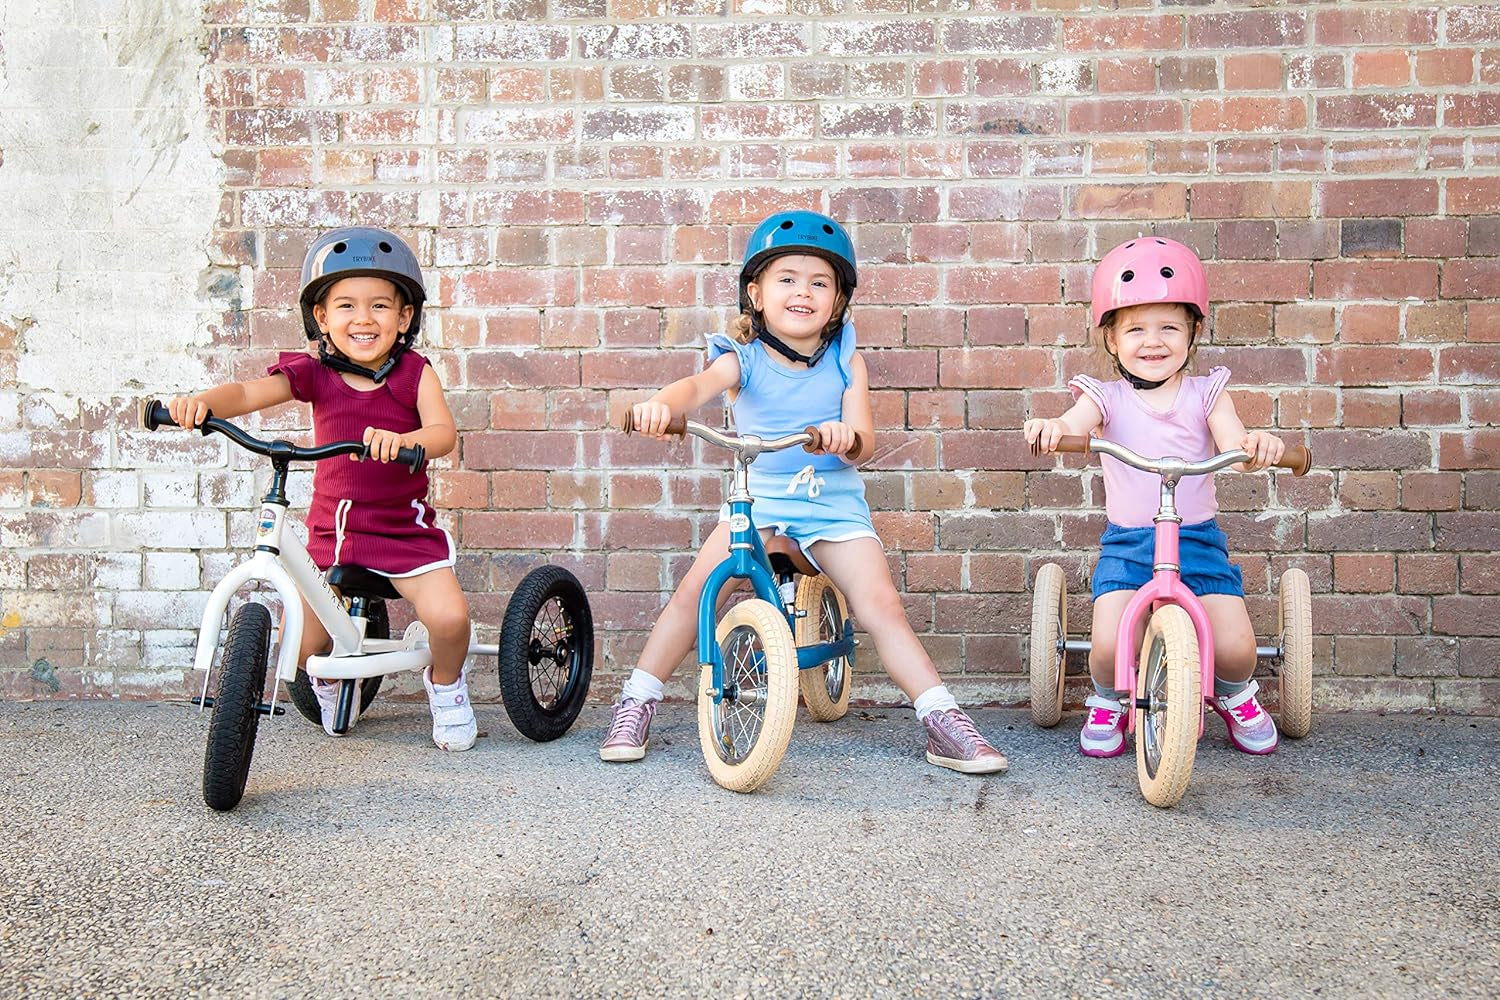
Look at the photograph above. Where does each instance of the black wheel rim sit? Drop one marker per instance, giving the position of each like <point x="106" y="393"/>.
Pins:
<point x="552" y="655"/>
<point x="739" y="716"/>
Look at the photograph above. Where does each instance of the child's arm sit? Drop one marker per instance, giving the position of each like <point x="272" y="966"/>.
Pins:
<point x="233" y="399"/>
<point x="838" y="435"/>
<point x="1081" y="419"/>
<point x="686" y="395"/>
<point x="1229" y="434"/>
<point x="437" y="435"/>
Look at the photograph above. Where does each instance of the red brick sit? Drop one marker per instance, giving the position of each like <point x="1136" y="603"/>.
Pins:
<point x="1251" y="199"/>
<point x="1138" y="115"/>
<point x="1471" y="110"/>
<point x="1478" y="448"/>
<point x="1247" y="114"/>
<point x="1135" y="75"/>
<point x="1375" y="280"/>
<point x="1254" y="71"/>
<point x="1473" y="195"/>
<point x="1447" y="67"/>
<point x="1358" y="573"/>
<point x="1249" y="29"/>
<point x="1371" y="112"/>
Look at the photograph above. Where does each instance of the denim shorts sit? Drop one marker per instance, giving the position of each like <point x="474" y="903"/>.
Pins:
<point x="1126" y="556"/>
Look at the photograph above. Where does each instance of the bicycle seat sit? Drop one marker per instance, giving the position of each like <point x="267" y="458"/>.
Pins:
<point x="355" y="581"/>
<point x="787" y="556"/>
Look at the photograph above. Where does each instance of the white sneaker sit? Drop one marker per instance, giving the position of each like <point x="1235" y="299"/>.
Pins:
<point x="1250" y="727"/>
<point x="1103" y="733"/>
<point x="453" y="725"/>
<point x="328" y="701"/>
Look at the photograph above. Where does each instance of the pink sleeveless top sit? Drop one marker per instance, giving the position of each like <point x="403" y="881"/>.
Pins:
<point x="1131" y="497"/>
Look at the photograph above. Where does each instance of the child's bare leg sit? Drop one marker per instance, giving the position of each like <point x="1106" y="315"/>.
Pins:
<point x="858" y="568"/>
<point x="441" y="606"/>
<point x="1234" y="638"/>
<point x="314" y="636"/>
<point x="1108" y="609"/>
<point x="676" y="629"/>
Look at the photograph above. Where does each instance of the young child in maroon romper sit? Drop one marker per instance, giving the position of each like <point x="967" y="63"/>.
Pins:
<point x="361" y="300"/>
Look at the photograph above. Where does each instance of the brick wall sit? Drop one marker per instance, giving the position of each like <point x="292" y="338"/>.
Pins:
<point x="579" y="177"/>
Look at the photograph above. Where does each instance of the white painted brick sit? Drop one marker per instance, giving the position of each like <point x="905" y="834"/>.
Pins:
<point x="12" y="571"/>
<point x="228" y="489"/>
<point x="168" y="648"/>
<point x="10" y="411"/>
<point x="117" y="570"/>
<point x="39" y="529"/>
<point x="114" y="490"/>
<point x="172" y="571"/>
<point x="170" y="489"/>
<point x="180" y="529"/>
<point x="114" y="648"/>
<point x="151" y="609"/>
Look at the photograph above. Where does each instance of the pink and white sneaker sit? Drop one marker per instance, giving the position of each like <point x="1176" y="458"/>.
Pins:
<point x="1251" y="729"/>
<point x="1103" y="733"/>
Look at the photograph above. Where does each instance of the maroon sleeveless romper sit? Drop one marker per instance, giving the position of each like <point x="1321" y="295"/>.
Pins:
<point x="368" y="514"/>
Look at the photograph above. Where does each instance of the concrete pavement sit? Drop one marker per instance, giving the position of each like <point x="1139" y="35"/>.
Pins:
<point x="1361" y="861"/>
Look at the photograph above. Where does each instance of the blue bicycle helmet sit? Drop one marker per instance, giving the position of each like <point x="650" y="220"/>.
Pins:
<point x="360" y="251"/>
<point x="799" y="232"/>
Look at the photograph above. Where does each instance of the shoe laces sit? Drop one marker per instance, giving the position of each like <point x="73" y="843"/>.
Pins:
<point x="961" y="726"/>
<point x="1247" y="713"/>
<point x="1104" y="718"/>
<point x="627" y="717"/>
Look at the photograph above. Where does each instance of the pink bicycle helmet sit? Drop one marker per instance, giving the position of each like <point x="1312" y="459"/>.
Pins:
<point x="1148" y="269"/>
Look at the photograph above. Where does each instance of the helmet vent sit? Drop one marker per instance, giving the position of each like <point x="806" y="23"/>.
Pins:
<point x="827" y="229"/>
<point x="1166" y="272"/>
<point x="786" y="224"/>
<point x="340" y="247"/>
<point x="1127" y="275"/>
<point x="385" y="247"/>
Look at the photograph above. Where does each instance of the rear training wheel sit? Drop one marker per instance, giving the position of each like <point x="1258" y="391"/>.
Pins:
<point x="1166" y="729"/>
<point x="1296" y="654"/>
<point x="301" y="692"/>
<point x="821" y="614"/>
<point x="745" y="735"/>
<point x="231" y="727"/>
<point x="546" y="653"/>
<point x="1049" y="627"/>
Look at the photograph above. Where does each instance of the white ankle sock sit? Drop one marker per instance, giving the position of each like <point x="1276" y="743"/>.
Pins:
<point x="642" y="686"/>
<point x="934" y="699"/>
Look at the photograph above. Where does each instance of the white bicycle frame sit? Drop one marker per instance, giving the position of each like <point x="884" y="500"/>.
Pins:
<point x="282" y="561"/>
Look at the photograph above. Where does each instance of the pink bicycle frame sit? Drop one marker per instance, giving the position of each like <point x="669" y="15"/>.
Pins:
<point x="1164" y="587"/>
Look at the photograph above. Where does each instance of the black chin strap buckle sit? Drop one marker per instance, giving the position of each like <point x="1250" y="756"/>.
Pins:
<point x="339" y="363"/>
<point x="775" y="343"/>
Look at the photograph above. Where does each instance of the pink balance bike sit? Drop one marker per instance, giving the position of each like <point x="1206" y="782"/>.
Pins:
<point x="1175" y="677"/>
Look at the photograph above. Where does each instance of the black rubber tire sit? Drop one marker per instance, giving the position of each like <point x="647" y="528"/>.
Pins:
<point x="301" y="692"/>
<point x="523" y="646"/>
<point x="232" y="724"/>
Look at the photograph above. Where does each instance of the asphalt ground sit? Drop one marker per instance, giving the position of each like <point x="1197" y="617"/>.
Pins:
<point x="1362" y="861"/>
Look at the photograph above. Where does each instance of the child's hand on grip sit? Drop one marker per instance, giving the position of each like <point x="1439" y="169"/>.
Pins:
<point x="1264" y="449"/>
<point x="383" y="445"/>
<point x="1044" y="433"/>
<point x="837" y="438"/>
<point x="187" y="411"/>
<point x="651" y="418"/>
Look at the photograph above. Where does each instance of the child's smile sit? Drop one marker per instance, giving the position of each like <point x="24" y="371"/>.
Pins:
<point x="1152" y="341"/>
<point x="362" y="317"/>
<point x="796" y="294"/>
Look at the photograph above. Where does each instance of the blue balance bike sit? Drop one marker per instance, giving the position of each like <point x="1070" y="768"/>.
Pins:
<point x="795" y="632"/>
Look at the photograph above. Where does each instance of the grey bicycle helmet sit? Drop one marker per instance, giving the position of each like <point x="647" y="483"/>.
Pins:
<point x="360" y="251"/>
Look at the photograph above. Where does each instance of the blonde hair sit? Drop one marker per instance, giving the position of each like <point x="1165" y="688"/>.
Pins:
<point x="1099" y="343"/>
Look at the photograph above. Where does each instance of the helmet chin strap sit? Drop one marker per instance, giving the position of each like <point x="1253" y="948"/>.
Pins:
<point x="780" y="347"/>
<point x="339" y="363"/>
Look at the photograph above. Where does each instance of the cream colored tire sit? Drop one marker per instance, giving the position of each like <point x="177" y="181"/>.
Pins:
<point x="1296" y="654"/>
<point x="1166" y="732"/>
<point x="1049" y="627"/>
<point x="743" y="743"/>
<point x="821" y="613"/>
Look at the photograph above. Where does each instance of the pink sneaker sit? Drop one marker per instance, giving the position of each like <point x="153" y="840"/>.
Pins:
<point x="1251" y="729"/>
<point x="953" y="742"/>
<point x="629" y="730"/>
<point x="1103" y="733"/>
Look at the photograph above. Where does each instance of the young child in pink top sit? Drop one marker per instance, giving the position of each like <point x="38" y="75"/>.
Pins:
<point x="361" y="299"/>
<point x="1150" y="298"/>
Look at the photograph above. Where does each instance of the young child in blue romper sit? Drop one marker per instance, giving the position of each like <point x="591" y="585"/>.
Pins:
<point x="792" y="362"/>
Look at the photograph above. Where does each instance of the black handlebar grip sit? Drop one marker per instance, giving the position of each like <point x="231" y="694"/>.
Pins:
<point x="413" y="457"/>
<point x="154" y="414"/>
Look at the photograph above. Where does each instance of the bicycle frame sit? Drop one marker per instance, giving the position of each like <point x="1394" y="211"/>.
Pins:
<point x="747" y="560"/>
<point x="282" y="561"/>
<point x="1164" y="587"/>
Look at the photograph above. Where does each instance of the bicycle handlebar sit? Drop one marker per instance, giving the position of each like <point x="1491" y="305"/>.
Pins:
<point x="810" y="439"/>
<point x="155" y="414"/>
<point x="1297" y="458"/>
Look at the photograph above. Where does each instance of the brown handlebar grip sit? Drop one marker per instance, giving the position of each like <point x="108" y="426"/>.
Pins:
<point x="817" y="441"/>
<point x="1073" y="442"/>
<point x="677" y="425"/>
<point x="1298" y="458"/>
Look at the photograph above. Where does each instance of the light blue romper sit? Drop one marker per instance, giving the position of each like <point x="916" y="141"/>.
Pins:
<point x="809" y="498"/>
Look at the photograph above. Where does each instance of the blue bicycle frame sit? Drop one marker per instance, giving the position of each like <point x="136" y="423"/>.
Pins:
<point x="748" y="561"/>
